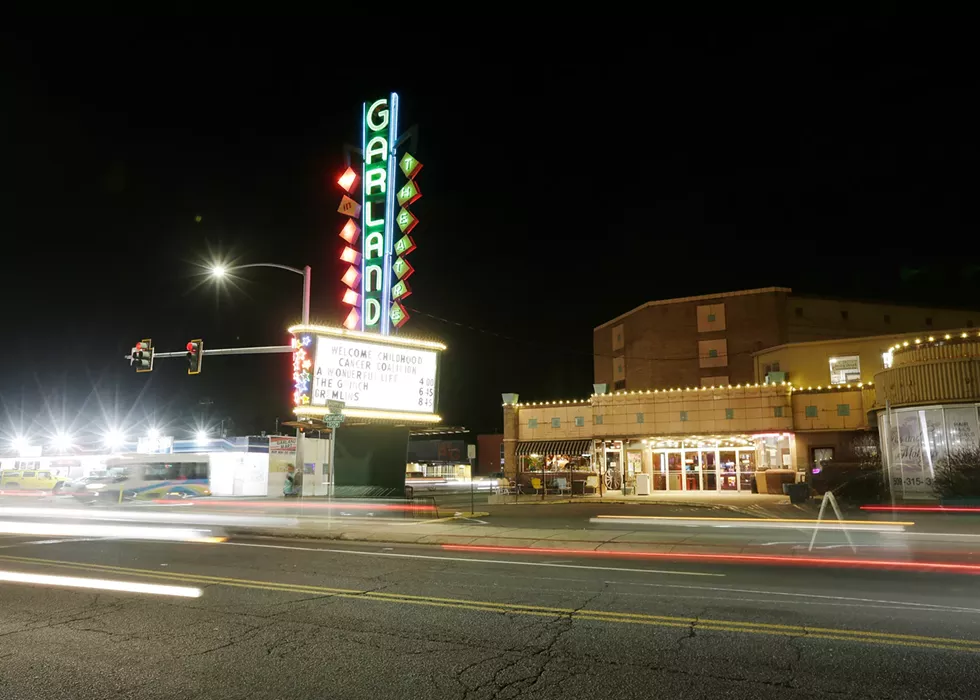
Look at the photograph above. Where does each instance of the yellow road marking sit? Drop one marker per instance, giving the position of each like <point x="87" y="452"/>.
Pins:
<point x="695" y="518"/>
<point x="736" y="626"/>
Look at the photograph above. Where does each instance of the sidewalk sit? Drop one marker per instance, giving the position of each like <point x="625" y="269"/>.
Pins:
<point x="703" y="499"/>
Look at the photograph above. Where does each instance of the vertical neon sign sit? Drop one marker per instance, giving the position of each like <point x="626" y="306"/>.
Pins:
<point x="378" y="134"/>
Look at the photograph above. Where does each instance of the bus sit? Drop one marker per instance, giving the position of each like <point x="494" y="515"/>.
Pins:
<point x="146" y="477"/>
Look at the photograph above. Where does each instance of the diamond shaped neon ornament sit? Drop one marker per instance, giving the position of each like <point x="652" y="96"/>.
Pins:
<point x="409" y="193"/>
<point x="349" y="255"/>
<point x="353" y="318"/>
<point x="410" y="166"/>
<point x="351" y="297"/>
<point x="406" y="220"/>
<point x="346" y="180"/>
<point x="403" y="270"/>
<point x="404" y="245"/>
<point x="351" y="277"/>
<point x="401" y="290"/>
<point x="349" y="207"/>
<point x="350" y="231"/>
<point x="398" y="315"/>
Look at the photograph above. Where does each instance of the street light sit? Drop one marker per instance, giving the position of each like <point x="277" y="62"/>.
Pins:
<point x="113" y="439"/>
<point x="220" y="271"/>
<point x="61" y="442"/>
<point x="201" y="437"/>
<point x="20" y="445"/>
<point x="153" y="434"/>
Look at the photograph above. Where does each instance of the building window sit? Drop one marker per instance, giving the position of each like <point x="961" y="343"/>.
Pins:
<point x="888" y="319"/>
<point x="777" y="411"/>
<point x="799" y="312"/>
<point x="617" y="337"/>
<point x="928" y="320"/>
<point x="621" y="384"/>
<point x="598" y="420"/>
<point x="713" y="353"/>
<point x="683" y="415"/>
<point x="639" y="417"/>
<point x="846" y="369"/>
<point x="843" y="314"/>
<point x="556" y="422"/>
<point x="579" y="421"/>
<point x="729" y="413"/>
<point x="843" y="409"/>
<point x="811" y="412"/>
<point x="532" y="423"/>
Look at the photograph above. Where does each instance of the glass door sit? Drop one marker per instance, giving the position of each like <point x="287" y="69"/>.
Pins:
<point x="709" y="467"/>
<point x="692" y="470"/>
<point x="659" y="471"/>
<point x="728" y="470"/>
<point x="746" y="470"/>
<point x="674" y="473"/>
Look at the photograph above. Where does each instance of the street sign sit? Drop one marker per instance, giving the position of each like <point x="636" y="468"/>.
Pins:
<point x="336" y="406"/>
<point x="333" y="420"/>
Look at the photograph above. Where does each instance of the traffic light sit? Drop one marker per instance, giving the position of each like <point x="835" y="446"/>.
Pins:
<point x="142" y="356"/>
<point x="195" y="353"/>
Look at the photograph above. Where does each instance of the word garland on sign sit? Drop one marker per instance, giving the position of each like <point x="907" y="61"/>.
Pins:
<point x="377" y="273"/>
<point x="302" y="369"/>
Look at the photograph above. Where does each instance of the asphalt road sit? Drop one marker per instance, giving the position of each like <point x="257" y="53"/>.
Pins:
<point x="295" y="619"/>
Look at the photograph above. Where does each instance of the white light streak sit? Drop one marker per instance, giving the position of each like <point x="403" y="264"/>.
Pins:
<point x="99" y="584"/>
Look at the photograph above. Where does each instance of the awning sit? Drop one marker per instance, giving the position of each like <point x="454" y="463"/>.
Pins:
<point x="555" y="447"/>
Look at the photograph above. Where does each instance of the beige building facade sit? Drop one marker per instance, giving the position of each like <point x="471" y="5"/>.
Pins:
<point x="831" y="395"/>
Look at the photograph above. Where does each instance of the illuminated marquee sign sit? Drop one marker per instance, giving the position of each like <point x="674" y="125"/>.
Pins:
<point x="377" y="273"/>
<point x="384" y="378"/>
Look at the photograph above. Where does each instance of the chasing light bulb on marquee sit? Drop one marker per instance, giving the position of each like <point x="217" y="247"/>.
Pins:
<point x="302" y="369"/>
<point x="377" y="276"/>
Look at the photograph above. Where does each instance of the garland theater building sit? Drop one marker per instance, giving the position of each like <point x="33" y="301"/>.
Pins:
<point x="709" y="393"/>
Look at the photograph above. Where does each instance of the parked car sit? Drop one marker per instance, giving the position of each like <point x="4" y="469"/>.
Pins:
<point x="30" y="479"/>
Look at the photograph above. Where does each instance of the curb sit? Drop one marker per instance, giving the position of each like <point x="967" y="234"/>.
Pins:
<point x="744" y="510"/>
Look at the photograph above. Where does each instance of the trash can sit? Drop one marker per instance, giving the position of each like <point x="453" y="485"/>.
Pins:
<point x="642" y="484"/>
<point x="798" y="493"/>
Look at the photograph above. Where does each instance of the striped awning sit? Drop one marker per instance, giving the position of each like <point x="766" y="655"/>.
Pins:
<point x="554" y="447"/>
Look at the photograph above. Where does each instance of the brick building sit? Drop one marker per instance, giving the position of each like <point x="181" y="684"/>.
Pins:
<point x="711" y="340"/>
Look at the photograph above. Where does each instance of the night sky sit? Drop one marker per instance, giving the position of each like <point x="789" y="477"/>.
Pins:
<point x="566" y="181"/>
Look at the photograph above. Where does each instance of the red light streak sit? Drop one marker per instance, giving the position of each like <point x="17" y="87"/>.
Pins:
<point x="936" y="567"/>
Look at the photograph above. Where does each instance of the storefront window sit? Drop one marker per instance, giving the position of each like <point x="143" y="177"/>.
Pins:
<point x="915" y="440"/>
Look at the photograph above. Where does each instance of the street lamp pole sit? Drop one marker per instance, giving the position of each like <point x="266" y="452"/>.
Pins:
<point x="220" y="270"/>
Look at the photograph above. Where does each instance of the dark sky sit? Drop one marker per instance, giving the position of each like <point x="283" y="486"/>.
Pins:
<point x="566" y="181"/>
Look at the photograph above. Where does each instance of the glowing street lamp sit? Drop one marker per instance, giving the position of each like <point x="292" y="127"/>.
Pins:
<point x="201" y="437"/>
<point x="113" y="440"/>
<point x="20" y="444"/>
<point x="153" y="434"/>
<point x="61" y="441"/>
